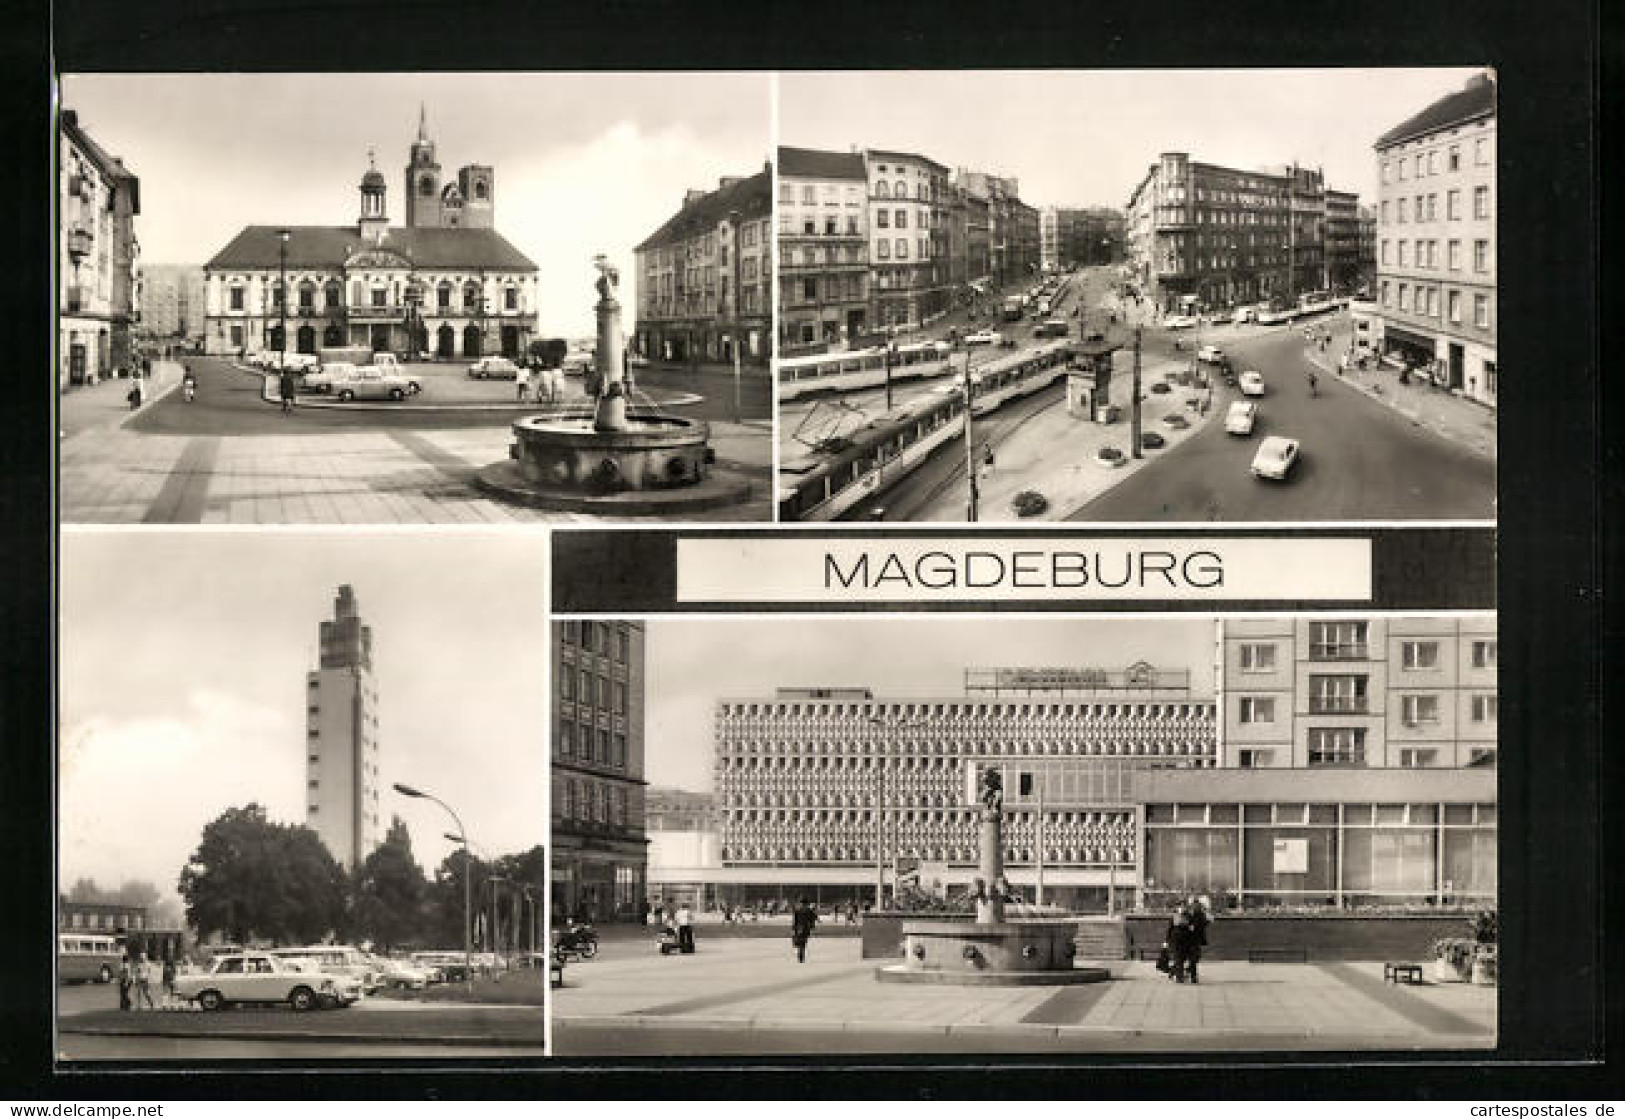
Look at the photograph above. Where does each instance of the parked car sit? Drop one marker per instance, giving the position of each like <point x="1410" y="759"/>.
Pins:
<point x="336" y="959"/>
<point x="1218" y="317"/>
<point x="1051" y="328"/>
<point x="579" y="363"/>
<point x="1239" y="420"/>
<point x="262" y="977"/>
<point x="1179" y="322"/>
<point x="401" y="974"/>
<point x="1210" y="353"/>
<point x="493" y="368"/>
<point x="1246" y="314"/>
<point x="1275" y="458"/>
<point x="365" y="382"/>
<point x="984" y="338"/>
<point x="1252" y="384"/>
<point x="322" y="377"/>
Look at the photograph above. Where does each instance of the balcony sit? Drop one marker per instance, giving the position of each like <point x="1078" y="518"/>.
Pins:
<point x="81" y="242"/>
<point x="1339" y="705"/>
<point x="372" y="312"/>
<point x="1339" y="653"/>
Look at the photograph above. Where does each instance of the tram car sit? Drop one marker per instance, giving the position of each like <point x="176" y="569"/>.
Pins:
<point x="859" y="369"/>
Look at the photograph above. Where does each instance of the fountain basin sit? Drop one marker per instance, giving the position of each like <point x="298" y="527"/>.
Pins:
<point x="992" y="954"/>
<point x="658" y="463"/>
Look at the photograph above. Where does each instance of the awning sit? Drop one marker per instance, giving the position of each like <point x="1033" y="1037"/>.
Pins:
<point x="1407" y="337"/>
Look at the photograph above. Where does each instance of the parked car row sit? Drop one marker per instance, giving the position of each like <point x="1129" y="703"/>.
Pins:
<point x="308" y="978"/>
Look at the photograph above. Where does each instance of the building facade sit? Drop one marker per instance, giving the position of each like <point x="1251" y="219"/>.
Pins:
<point x="1343" y="243"/>
<point x="447" y="284"/>
<point x="600" y="845"/>
<point x="695" y="284"/>
<point x="1074" y="236"/>
<point x="174" y="302"/>
<point x="98" y="290"/>
<point x="1200" y="236"/>
<point x="823" y="218"/>
<point x="1436" y="270"/>
<point x="341" y="737"/>
<point x="908" y="238"/>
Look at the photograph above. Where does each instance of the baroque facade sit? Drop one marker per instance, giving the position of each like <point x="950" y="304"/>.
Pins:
<point x="98" y="285"/>
<point x="446" y="284"/>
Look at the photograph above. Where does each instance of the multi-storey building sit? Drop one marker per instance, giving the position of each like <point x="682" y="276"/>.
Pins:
<point x="1343" y="263"/>
<point x="1436" y="286"/>
<point x="1082" y="235"/>
<point x="823" y="217"/>
<point x="978" y="236"/>
<point x="695" y="284"/>
<point x="1368" y="249"/>
<point x="600" y="848"/>
<point x="1024" y="259"/>
<point x="1204" y="236"/>
<point x="98" y="199"/>
<point x="341" y="737"/>
<point x="447" y="283"/>
<point x="908" y="238"/>
<point x="174" y="301"/>
<point x="683" y="848"/>
<point x="1049" y="238"/>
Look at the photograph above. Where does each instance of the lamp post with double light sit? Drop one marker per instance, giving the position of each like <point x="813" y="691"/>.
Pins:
<point x="468" y="869"/>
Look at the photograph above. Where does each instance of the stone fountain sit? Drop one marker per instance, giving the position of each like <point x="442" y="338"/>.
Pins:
<point x="993" y="951"/>
<point x="612" y="457"/>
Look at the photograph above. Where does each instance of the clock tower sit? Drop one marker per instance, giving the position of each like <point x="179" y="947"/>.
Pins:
<point x="423" y="179"/>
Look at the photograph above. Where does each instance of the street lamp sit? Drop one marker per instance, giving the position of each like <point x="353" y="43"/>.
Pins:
<point x="495" y="939"/>
<point x="882" y="811"/>
<point x="282" y="297"/>
<point x="738" y="309"/>
<point x="468" y="864"/>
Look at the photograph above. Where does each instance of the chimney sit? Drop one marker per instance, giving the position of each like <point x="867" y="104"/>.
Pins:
<point x="692" y="195"/>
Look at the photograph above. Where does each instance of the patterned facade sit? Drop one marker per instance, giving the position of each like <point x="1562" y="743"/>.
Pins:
<point x="1200" y="236"/>
<point x="446" y="284"/>
<point x="908" y="238"/>
<point x="600" y="842"/>
<point x="341" y="737"/>
<point x="98" y="285"/>
<point x="1436" y="259"/>
<point x="823" y="218"/>
<point x="694" y="283"/>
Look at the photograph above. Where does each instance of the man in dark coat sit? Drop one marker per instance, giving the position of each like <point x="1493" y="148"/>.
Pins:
<point x="801" y="927"/>
<point x="287" y="386"/>
<point x="1196" y="920"/>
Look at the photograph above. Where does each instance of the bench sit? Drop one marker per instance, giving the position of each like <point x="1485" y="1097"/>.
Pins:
<point x="1277" y="955"/>
<point x="1402" y="973"/>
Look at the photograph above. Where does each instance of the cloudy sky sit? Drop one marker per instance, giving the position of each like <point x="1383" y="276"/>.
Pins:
<point x="584" y="164"/>
<point x="1087" y="137"/>
<point x="690" y="664"/>
<point x="182" y="684"/>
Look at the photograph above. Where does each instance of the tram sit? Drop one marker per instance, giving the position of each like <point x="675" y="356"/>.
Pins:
<point x="859" y="369"/>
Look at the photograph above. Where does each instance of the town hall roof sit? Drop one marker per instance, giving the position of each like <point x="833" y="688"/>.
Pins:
<point x="329" y="246"/>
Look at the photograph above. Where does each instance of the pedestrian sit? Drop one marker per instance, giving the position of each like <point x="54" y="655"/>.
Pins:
<point x="169" y="980"/>
<point x="125" y="979"/>
<point x="286" y="387"/>
<point x="521" y="382"/>
<point x="134" y="395"/>
<point x="143" y="983"/>
<point x="1178" y="944"/>
<point x="188" y="384"/>
<point x="801" y="928"/>
<point x="1197" y="916"/>
<point x="685" y="929"/>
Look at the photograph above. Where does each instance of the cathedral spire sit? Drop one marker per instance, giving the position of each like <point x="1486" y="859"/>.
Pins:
<point x="423" y="123"/>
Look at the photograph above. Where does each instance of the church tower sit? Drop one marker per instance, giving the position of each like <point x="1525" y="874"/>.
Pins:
<point x="374" y="217"/>
<point x="423" y="178"/>
<point x="478" y="183"/>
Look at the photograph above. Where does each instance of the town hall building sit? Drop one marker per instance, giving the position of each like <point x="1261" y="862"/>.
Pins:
<point x="445" y="284"/>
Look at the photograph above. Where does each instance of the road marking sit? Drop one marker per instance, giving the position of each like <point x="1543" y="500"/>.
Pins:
<point x="452" y="466"/>
<point x="1068" y="1006"/>
<point x="185" y="491"/>
<point x="1411" y="1007"/>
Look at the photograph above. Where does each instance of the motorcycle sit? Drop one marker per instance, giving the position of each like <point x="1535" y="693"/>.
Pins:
<point x="578" y="941"/>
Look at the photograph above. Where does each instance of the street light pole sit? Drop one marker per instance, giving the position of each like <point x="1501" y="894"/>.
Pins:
<point x="970" y="445"/>
<point x="1134" y="404"/>
<point x="282" y="298"/>
<point x="738" y="309"/>
<point x="468" y="867"/>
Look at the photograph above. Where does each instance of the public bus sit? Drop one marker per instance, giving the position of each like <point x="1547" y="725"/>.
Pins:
<point x="859" y="369"/>
<point x="87" y="957"/>
<point x="825" y="485"/>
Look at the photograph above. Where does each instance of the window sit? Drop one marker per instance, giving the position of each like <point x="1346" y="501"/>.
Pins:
<point x="510" y="299"/>
<point x="883" y="251"/>
<point x="882" y="219"/>
<point x="1404" y="253"/>
<point x="1455" y="158"/>
<point x="1452" y="205"/>
<point x="1257" y="709"/>
<point x="1433" y="207"/>
<point x="902" y="248"/>
<point x="1253" y="759"/>
<point x="1486" y="708"/>
<point x="1454" y="251"/>
<point x="902" y="219"/>
<point x="1481" y="202"/>
<point x="1417" y="710"/>
<point x="1337" y="695"/>
<point x="1384" y="256"/>
<point x="1258" y="657"/>
<point x="1485" y="653"/>
<point x="1481" y="152"/>
<point x="1413" y="757"/>
<point x="236" y="299"/>
<point x="1455" y="306"/>
<point x="1337" y="640"/>
<point x="1400" y="167"/>
<point x="1419" y="654"/>
<point x="1481" y="311"/>
<point x="1337" y="746"/>
<point x="1404" y="297"/>
<point x="1481" y="256"/>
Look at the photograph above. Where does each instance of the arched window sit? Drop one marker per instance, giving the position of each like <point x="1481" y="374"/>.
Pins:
<point x="881" y="190"/>
<point x="481" y="189"/>
<point x="426" y="186"/>
<point x="333" y="295"/>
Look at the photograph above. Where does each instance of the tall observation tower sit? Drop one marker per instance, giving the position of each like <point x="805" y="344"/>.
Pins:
<point x="341" y="737"/>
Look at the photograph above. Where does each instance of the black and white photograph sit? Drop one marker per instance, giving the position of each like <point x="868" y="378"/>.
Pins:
<point x="1137" y="296"/>
<point x="301" y="794"/>
<point x="414" y="298"/>
<point x="1079" y="834"/>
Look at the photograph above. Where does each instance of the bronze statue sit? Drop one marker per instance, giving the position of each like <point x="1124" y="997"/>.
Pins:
<point x="992" y="790"/>
<point x="609" y="277"/>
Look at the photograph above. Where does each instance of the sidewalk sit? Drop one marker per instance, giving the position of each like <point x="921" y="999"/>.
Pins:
<point x="439" y="1023"/>
<point x="1426" y="405"/>
<point x="104" y="405"/>
<point x="759" y="986"/>
<point x="110" y="476"/>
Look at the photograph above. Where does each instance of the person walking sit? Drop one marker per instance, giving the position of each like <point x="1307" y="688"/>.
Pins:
<point x="169" y="980"/>
<point x="188" y="384"/>
<point x="685" y="929"/>
<point x="1197" y="918"/>
<point x="801" y="928"/>
<point x="134" y="395"/>
<point x="521" y="383"/>
<point x="143" y="984"/>
<point x="125" y="979"/>
<point x="286" y="387"/>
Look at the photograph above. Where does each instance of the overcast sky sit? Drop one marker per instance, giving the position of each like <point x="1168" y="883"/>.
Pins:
<point x="690" y="664"/>
<point x="182" y="685"/>
<point x="584" y="164"/>
<point x="1088" y="137"/>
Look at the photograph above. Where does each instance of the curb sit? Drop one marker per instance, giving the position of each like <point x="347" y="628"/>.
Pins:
<point x="1410" y="417"/>
<point x="328" y="1038"/>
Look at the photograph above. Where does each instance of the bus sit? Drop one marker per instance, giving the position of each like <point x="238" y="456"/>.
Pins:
<point x="87" y="957"/>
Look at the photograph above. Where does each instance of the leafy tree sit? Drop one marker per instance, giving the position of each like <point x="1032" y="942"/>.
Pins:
<point x="137" y="892"/>
<point x="251" y="878"/>
<point x="550" y="351"/>
<point x="444" y="909"/>
<point x="85" y="890"/>
<point x="390" y="891"/>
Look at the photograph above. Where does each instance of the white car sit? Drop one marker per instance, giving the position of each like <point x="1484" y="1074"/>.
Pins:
<point x="1246" y="314"/>
<point x="493" y="367"/>
<point x="322" y="377"/>
<point x="1251" y="383"/>
<point x="335" y="959"/>
<point x="1210" y="353"/>
<point x="366" y="382"/>
<point x="261" y="977"/>
<point x="1179" y="322"/>
<point x="401" y="973"/>
<point x="984" y="338"/>
<point x="1239" y="420"/>
<point x="578" y="363"/>
<point x="1275" y="458"/>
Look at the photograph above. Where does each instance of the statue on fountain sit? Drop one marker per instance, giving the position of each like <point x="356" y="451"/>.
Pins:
<point x="992" y="794"/>
<point x="609" y="277"/>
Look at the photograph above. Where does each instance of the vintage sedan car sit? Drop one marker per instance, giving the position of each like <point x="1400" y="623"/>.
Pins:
<point x="1210" y="353"/>
<point x="365" y="382"/>
<point x="1051" y="328"/>
<point x="321" y="378"/>
<point x="401" y="974"/>
<point x="984" y="338"/>
<point x="336" y="959"/>
<point x="493" y="368"/>
<point x="1275" y="458"/>
<point x="1252" y="384"/>
<point x="1241" y="417"/>
<point x="578" y="363"/>
<point x="1179" y="322"/>
<point x="260" y="977"/>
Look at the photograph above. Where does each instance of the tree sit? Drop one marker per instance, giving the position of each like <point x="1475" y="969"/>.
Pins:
<point x="550" y="351"/>
<point x="390" y="890"/>
<point x="444" y="908"/>
<point x="251" y="878"/>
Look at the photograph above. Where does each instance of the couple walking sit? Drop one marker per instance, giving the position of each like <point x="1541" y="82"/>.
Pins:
<point x="1186" y="937"/>
<point x="135" y="976"/>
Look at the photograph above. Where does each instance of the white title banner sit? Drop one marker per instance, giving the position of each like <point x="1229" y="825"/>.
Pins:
<point x="1022" y="568"/>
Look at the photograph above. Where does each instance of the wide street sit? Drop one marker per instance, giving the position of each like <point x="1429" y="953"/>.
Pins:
<point x="746" y="996"/>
